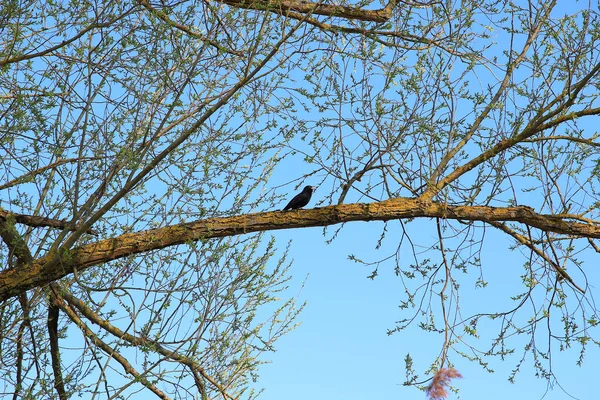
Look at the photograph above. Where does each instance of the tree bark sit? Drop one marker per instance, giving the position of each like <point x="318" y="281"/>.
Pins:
<point x="40" y="272"/>
<point x="316" y="8"/>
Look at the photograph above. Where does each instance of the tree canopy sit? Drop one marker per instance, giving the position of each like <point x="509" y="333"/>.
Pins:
<point x="147" y="146"/>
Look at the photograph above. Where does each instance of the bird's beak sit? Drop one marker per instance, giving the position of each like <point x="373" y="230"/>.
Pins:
<point x="313" y="188"/>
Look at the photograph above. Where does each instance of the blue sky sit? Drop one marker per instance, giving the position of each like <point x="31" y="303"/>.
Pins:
<point x="341" y="350"/>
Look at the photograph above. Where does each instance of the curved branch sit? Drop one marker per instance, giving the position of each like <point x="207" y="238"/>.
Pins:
<point x="357" y="177"/>
<point x="318" y="8"/>
<point x="526" y="242"/>
<point x="589" y="142"/>
<point x="31" y="174"/>
<point x="418" y="42"/>
<point x="54" y="266"/>
<point x="78" y="35"/>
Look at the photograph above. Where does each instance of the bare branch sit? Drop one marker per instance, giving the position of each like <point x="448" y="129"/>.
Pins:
<point x="136" y="340"/>
<point x="305" y="7"/>
<point x="59" y="385"/>
<point x="32" y="174"/>
<point x="46" y="269"/>
<point x="105" y="347"/>
<point x="40" y="222"/>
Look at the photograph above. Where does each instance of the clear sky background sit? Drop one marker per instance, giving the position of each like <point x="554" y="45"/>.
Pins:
<point x="342" y="351"/>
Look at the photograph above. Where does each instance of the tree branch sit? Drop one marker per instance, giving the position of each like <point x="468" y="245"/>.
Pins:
<point x="36" y="221"/>
<point x="305" y="7"/>
<point x="134" y="340"/>
<point x="19" y="251"/>
<point x="64" y="43"/>
<point x="526" y="242"/>
<point x="165" y="18"/>
<point x="109" y="351"/>
<point x="52" y="323"/>
<point x="14" y="281"/>
<point x="30" y="176"/>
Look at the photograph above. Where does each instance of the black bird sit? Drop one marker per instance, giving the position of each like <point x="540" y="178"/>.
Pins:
<point x="301" y="199"/>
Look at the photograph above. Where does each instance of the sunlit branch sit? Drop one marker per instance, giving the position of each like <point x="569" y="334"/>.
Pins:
<point x="417" y="42"/>
<point x="54" y="266"/>
<point x="589" y="142"/>
<point x="318" y="8"/>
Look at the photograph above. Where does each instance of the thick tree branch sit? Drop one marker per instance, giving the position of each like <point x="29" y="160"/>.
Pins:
<point x="16" y="245"/>
<point x="42" y="271"/>
<point x="317" y="8"/>
<point x="19" y="256"/>
<point x="373" y="34"/>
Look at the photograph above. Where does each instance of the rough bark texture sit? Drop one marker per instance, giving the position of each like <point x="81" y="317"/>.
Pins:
<point x="52" y="267"/>
<point x="40" y="222"/>
<point x="316" y="8"/>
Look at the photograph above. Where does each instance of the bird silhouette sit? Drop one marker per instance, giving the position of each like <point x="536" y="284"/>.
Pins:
<point x="301" y="199"/>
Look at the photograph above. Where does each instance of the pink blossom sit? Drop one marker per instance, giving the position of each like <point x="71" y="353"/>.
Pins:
<point x="437" y="389"/>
